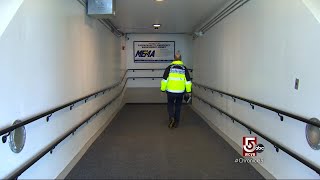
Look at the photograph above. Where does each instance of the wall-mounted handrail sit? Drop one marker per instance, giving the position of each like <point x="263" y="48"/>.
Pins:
<point x="154" y="69"/>
<point x="276" y="145"/>
<point x="51" y="111"/>
<point x="18" y="172"/>
<point x="144" y="77"/>
<point x="70" y="104"/>
<point x="47" y="113"/>
<point x="50" y="148"/>
<point x="251" y="102"/>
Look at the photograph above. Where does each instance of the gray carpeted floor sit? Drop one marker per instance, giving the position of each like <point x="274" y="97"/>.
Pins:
<point x="139" y="145"/>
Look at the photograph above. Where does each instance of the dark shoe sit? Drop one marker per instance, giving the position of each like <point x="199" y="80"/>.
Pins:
<point x="172" y="123"/>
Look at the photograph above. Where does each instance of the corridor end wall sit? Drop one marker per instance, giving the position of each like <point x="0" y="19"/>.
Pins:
<point x="258" y="52"/>
<point x="148" y="90"/>
<point x="53" y="53"/>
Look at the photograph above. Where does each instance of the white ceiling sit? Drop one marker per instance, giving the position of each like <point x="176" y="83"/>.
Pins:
<point x="175" y="16"/>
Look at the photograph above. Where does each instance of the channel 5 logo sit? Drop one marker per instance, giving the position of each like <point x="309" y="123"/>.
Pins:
<point x="250" y="146"/>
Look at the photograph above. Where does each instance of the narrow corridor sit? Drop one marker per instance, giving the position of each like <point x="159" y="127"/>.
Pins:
<point x="76" y="73"/>
<point x="138" y="144"/>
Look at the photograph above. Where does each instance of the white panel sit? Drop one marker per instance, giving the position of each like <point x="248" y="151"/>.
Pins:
<point x="182" y="43"/>
<point x="52" y="53"/>
<point x="153" y="51"/>
<point x="257" y="52"/>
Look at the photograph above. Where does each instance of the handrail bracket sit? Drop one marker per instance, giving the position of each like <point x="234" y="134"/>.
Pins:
<point x="281" y="117"/>
<point x="5" y="137"/>
<point x="48" y="117"/>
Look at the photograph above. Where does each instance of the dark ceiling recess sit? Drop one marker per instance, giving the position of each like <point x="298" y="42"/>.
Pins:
<point x="105" y="21"/>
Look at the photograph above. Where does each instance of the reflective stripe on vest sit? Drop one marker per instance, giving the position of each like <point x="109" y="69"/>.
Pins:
<point x="175" y="79"/>
<point x="175" y="91"/>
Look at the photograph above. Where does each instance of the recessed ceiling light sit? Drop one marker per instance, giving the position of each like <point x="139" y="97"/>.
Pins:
<point x="158" y="0"/>
<point x="156" y="25"/>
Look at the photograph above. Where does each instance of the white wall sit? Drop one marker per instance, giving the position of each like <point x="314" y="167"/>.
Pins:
<point x="314" y="7"/>
<point x="182" y="42"/>
<point x="257" y="52"/>
<point x="8" y="9"/>
<point x="51" y="54"/>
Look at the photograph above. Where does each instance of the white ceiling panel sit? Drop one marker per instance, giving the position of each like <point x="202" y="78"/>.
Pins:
<point x="175" y="16"/>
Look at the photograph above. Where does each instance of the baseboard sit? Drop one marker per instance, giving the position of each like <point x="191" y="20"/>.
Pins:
<point x="235" y="146"/>
<point x="76" y="159"/>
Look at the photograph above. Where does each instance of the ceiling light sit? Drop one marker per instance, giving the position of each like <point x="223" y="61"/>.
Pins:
<point x="158" y="0"/>
<point x="156" y="26"/>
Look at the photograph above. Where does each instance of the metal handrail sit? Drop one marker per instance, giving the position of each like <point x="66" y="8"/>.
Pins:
<point x="18" y="172"/>
<point x="276" y="145"/>
<point x="50" y="112"/>
<point x="144" y="77"/>
<point x="154" y="69"/>
<point x="251" y="102"/>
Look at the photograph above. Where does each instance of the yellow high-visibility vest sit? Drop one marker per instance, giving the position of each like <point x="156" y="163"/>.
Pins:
<point x="176" y="78"/>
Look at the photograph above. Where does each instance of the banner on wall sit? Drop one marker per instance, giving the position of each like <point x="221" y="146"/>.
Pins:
<point x="153" y="51"/>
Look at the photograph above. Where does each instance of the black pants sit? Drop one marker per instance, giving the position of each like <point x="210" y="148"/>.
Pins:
<point x="174" y="105"/>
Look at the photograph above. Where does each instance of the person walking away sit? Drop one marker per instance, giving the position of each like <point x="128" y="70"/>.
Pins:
<point x="176" y="81"/>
